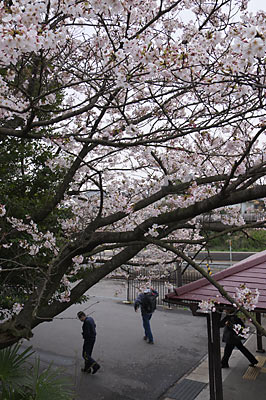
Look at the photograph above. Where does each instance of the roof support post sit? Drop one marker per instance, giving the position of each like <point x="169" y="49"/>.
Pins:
<point x="210" y="358"/>
<point x="216" y="317"/>
<point x="214" y="356"/>
<point x="260" y="348"/>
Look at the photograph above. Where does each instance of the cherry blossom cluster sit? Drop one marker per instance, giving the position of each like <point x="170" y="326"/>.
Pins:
<point x="153" y="231"/>
<point x="25" y="28"/>
<point x="181" y="102"/>
<point x="62" y="295"/>
<point x="240" y="331"/>
<point x="2" y="210"/>
<point x="246" y="297"/>
<point x="207" y="306"/>
<point x="38" y="241"/>
<point x="6" y="314"/>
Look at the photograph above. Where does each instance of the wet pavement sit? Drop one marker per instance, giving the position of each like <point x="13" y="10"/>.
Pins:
<point x="131" y="369"/>
<point x="174" y="368"/>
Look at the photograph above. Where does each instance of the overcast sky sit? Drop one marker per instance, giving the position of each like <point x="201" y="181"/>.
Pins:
<point x="255" y="5"/>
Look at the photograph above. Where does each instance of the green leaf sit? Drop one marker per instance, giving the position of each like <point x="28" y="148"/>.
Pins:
<point x="13" y="375"/>
<point x="50" y="384"/>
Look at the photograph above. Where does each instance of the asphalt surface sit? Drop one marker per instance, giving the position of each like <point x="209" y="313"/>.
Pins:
<point x="131" y="369"/>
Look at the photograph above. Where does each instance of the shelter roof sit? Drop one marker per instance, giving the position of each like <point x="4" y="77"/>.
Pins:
<point x="251" y="271"/>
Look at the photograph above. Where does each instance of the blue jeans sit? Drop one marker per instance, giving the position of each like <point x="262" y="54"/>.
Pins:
<point x="146" y="325"/>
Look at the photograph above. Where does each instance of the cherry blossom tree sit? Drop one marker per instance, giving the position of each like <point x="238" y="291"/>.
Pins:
<point x="135" y="126"/>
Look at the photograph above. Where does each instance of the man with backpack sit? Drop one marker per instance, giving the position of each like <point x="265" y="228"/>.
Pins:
<point x="147" y="303"/>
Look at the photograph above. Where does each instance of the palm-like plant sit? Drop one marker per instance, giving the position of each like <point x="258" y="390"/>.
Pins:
<point x="13" y="375"/>
<point x="49" y="384"/>
<point x="20" y="381"/>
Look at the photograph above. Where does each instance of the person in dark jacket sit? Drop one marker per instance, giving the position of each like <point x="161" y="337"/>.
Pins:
<point x="89" y="336"/>
<point x="147" y="303"/>
<point x="232" y="339"/>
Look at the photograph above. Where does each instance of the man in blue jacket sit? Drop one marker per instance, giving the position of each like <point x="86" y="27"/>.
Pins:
<point x="89" y="336"/>
<point x="147" y="303"/>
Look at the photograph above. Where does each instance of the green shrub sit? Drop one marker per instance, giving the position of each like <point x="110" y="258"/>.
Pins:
<point x="20" y="380"/>
<point x="253" y="242"/>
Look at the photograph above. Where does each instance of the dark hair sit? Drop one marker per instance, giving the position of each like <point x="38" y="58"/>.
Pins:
<point x="81" y="314"/>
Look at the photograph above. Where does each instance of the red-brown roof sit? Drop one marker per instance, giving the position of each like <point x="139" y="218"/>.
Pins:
<point x="251" y="271"/>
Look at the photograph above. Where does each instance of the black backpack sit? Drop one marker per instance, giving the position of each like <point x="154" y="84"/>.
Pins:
<point x="149" y="302"/>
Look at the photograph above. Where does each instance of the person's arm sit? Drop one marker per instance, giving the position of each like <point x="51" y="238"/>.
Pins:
<point x="239" y="321"/>
<point x="88" y="329"/>
<point x="224" y="322"/>
<point x="154" y="292"/>
<point x="138" y="302"/>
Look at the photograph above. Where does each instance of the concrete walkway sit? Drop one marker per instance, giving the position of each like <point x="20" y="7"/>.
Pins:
<point x="240" y="381"/>
<point x="175" y="367"/>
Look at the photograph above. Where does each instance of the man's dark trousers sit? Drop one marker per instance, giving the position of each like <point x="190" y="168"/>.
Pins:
<point x="86" y="353"/>
<point x="230" y="347"/>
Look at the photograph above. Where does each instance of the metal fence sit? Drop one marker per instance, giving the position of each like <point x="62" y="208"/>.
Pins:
<point x="163" y="285"/>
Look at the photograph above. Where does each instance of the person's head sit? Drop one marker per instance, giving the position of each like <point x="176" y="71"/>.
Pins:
<point x="81" y="315"/>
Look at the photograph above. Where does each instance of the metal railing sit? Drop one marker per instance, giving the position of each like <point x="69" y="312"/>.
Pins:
<point x="162" y="285"/>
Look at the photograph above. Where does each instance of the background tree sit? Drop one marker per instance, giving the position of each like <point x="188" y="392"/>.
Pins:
<point x="121" y="123"/>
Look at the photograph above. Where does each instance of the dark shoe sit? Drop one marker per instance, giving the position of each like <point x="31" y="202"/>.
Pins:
<point x="88" y="370"/>
<point x="95" y="368"/>
<point x="225" y="366"/>
<point x="253" y="364"/>
<point x="145" y="338"/>
<point x="150" y="342"/>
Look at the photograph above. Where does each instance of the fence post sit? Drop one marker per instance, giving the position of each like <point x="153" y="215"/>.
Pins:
<point x="128" y="288"/>
<point x="179" y="274"/>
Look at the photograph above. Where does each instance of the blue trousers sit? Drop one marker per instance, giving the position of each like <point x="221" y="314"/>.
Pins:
<point x="86" y="353"/>
<point x="146" y="325"/>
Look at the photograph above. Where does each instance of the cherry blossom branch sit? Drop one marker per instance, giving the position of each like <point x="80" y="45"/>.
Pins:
<point x="243" y="156"/>
<point x="210" y="278"/>
<point x="157" y="16"/>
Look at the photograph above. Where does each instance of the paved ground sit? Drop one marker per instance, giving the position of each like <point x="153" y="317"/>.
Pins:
<point x="175" y="368"/>
<point x="240" y="382"/>
<point x="131" y="369"/>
